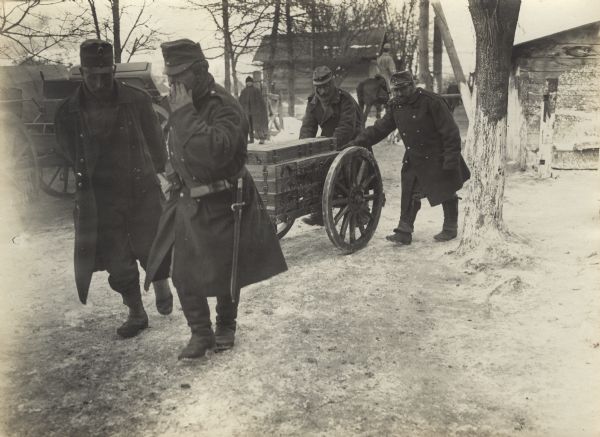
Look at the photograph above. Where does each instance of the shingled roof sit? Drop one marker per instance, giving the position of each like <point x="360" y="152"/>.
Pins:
<point x="329" y="46"/>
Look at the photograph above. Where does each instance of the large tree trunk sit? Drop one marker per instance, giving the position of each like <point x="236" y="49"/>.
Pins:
<point x="116" y="30"/>
<point x="495" y="22"/>
<point x="227" y="43"/>
<point x="291" y="59"/>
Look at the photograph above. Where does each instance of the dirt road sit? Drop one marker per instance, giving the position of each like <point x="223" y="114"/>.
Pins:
<point x="387" y="341"/>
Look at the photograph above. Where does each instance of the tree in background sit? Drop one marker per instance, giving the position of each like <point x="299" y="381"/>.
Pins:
<point x="495" y="22"/>
<point x="27" y="35"/>
<point x="240" y="24"/>
<point x="110" y="17"/>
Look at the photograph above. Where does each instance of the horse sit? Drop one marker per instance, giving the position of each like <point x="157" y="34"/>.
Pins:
<point x="373" y="91"/>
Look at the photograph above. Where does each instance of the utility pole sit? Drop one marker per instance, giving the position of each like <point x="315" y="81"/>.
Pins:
<point x="424" y="73"/>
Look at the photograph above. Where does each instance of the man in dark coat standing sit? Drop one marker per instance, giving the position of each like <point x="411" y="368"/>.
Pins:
<point x="208" y="152"/>
<point x="110" y="134"/>
<point x="433" y="166"/>
<point x="334" y="111"/>
<point x="255" y="108"/>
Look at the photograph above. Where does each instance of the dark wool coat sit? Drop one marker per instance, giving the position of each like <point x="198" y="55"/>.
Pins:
<point x="255" y="106"/>
<point x="432" y="141"/>
<point x="342" y="119"/>
<point x="137" y="130"/>
<point x="207" y="143"/>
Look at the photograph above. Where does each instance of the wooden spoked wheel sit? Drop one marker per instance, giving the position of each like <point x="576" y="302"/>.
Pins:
<point x="18" y="163"/>
<point x="283" y="224"/>
<point x="352" y="199"/>
<point x="58" y="180"/>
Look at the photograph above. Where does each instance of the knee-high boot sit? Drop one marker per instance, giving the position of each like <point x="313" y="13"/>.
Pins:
<point x="226" y="322"/>
<point x="450" y="227"/>
<point x="197" y="313"/>
<point x="403" y="233"/>
<point x="137" y="320"/>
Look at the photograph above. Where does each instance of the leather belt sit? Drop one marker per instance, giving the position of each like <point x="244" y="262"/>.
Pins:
<point x="213" y="187"/>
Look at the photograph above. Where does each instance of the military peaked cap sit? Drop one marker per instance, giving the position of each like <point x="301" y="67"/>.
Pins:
<point x="97" y="54"/>
<point x="401" y="78"/>
<point x="249" y="79"/>
<point x="180" y="54"/>
<point x="322" y="75"/>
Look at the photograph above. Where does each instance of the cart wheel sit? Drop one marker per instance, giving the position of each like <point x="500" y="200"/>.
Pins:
<point x="18" y="163"/>
<point x="282" y="225"/>
<point x="352" y="199"/>
<point x="58" y="180"/>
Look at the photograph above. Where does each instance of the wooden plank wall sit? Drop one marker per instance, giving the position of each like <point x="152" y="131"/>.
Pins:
<point x="572" y="57"/>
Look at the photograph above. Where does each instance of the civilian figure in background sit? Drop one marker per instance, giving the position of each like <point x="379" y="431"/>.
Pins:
<point x="334" y="111"/>
<point x="433" y="166"/>
<point x="255" y="108"/>
<point x="214" y="220"/>
<point x="386" y="64"/>
<point x="111" y="136"/>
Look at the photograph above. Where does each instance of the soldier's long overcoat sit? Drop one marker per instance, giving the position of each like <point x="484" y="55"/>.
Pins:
<point x="138" y="131"/>
<point x="254" y="105"/>
<point x="432" y="142"/>
<point x="341" y="120"/>
<point x="207" y="143"/>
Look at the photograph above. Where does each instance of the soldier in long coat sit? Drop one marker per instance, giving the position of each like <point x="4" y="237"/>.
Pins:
<point x="255" y="107"/>
<point x="208" y="152"/>
<point x="334" y="111"/>
<point x="111" y="136"/>
<point x="433" y="166"/>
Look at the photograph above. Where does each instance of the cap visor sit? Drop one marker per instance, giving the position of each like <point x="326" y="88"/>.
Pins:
<point x="170" y="70"/>
<point x="321" y="82"/>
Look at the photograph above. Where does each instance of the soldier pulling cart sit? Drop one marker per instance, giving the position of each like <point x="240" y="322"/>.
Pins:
<point x="302" y="176"/>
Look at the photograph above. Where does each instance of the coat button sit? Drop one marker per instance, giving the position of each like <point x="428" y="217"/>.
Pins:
<point x="82" y="160"/>
<point x="403" y="133"/>
<point x="180" y="194"/>
<point x="79" y="184"/>
<point x="414" y="116"/>
<point x="418" y="131"/>
<point x="408" y="148"/>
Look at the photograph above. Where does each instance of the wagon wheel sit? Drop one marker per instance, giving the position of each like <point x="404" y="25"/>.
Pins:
<point x="18" y="163"/>
<point x="352" y="199"/>
<point x="58" y="180"/>
<point x="283" y="224"/>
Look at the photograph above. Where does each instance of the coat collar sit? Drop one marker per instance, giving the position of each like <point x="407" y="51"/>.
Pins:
<point x="76" y="100"/>
<point x="314" y="100"/>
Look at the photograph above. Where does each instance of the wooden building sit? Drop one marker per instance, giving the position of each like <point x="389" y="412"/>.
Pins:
<point x="354" y="54"/>
<point x="554" y="100"/>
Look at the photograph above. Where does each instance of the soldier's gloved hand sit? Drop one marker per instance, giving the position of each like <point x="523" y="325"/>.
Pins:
<point x="179" y="96"/>
<point x="348" y="144"/>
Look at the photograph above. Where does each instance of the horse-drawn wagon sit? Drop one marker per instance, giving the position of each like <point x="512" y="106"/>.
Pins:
<point x="29" y="151"/>
<point x="299" y="177"/>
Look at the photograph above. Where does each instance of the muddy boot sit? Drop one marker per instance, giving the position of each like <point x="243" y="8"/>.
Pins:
<point x="314" y="219"/>
<point x="202" y="340"/>
<point x="400" y="237"/>
<point x="226" y="324"/>
<point x="164" y="297"/>
<point x="450" y="227"/>
<point x="137" y="320"/>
